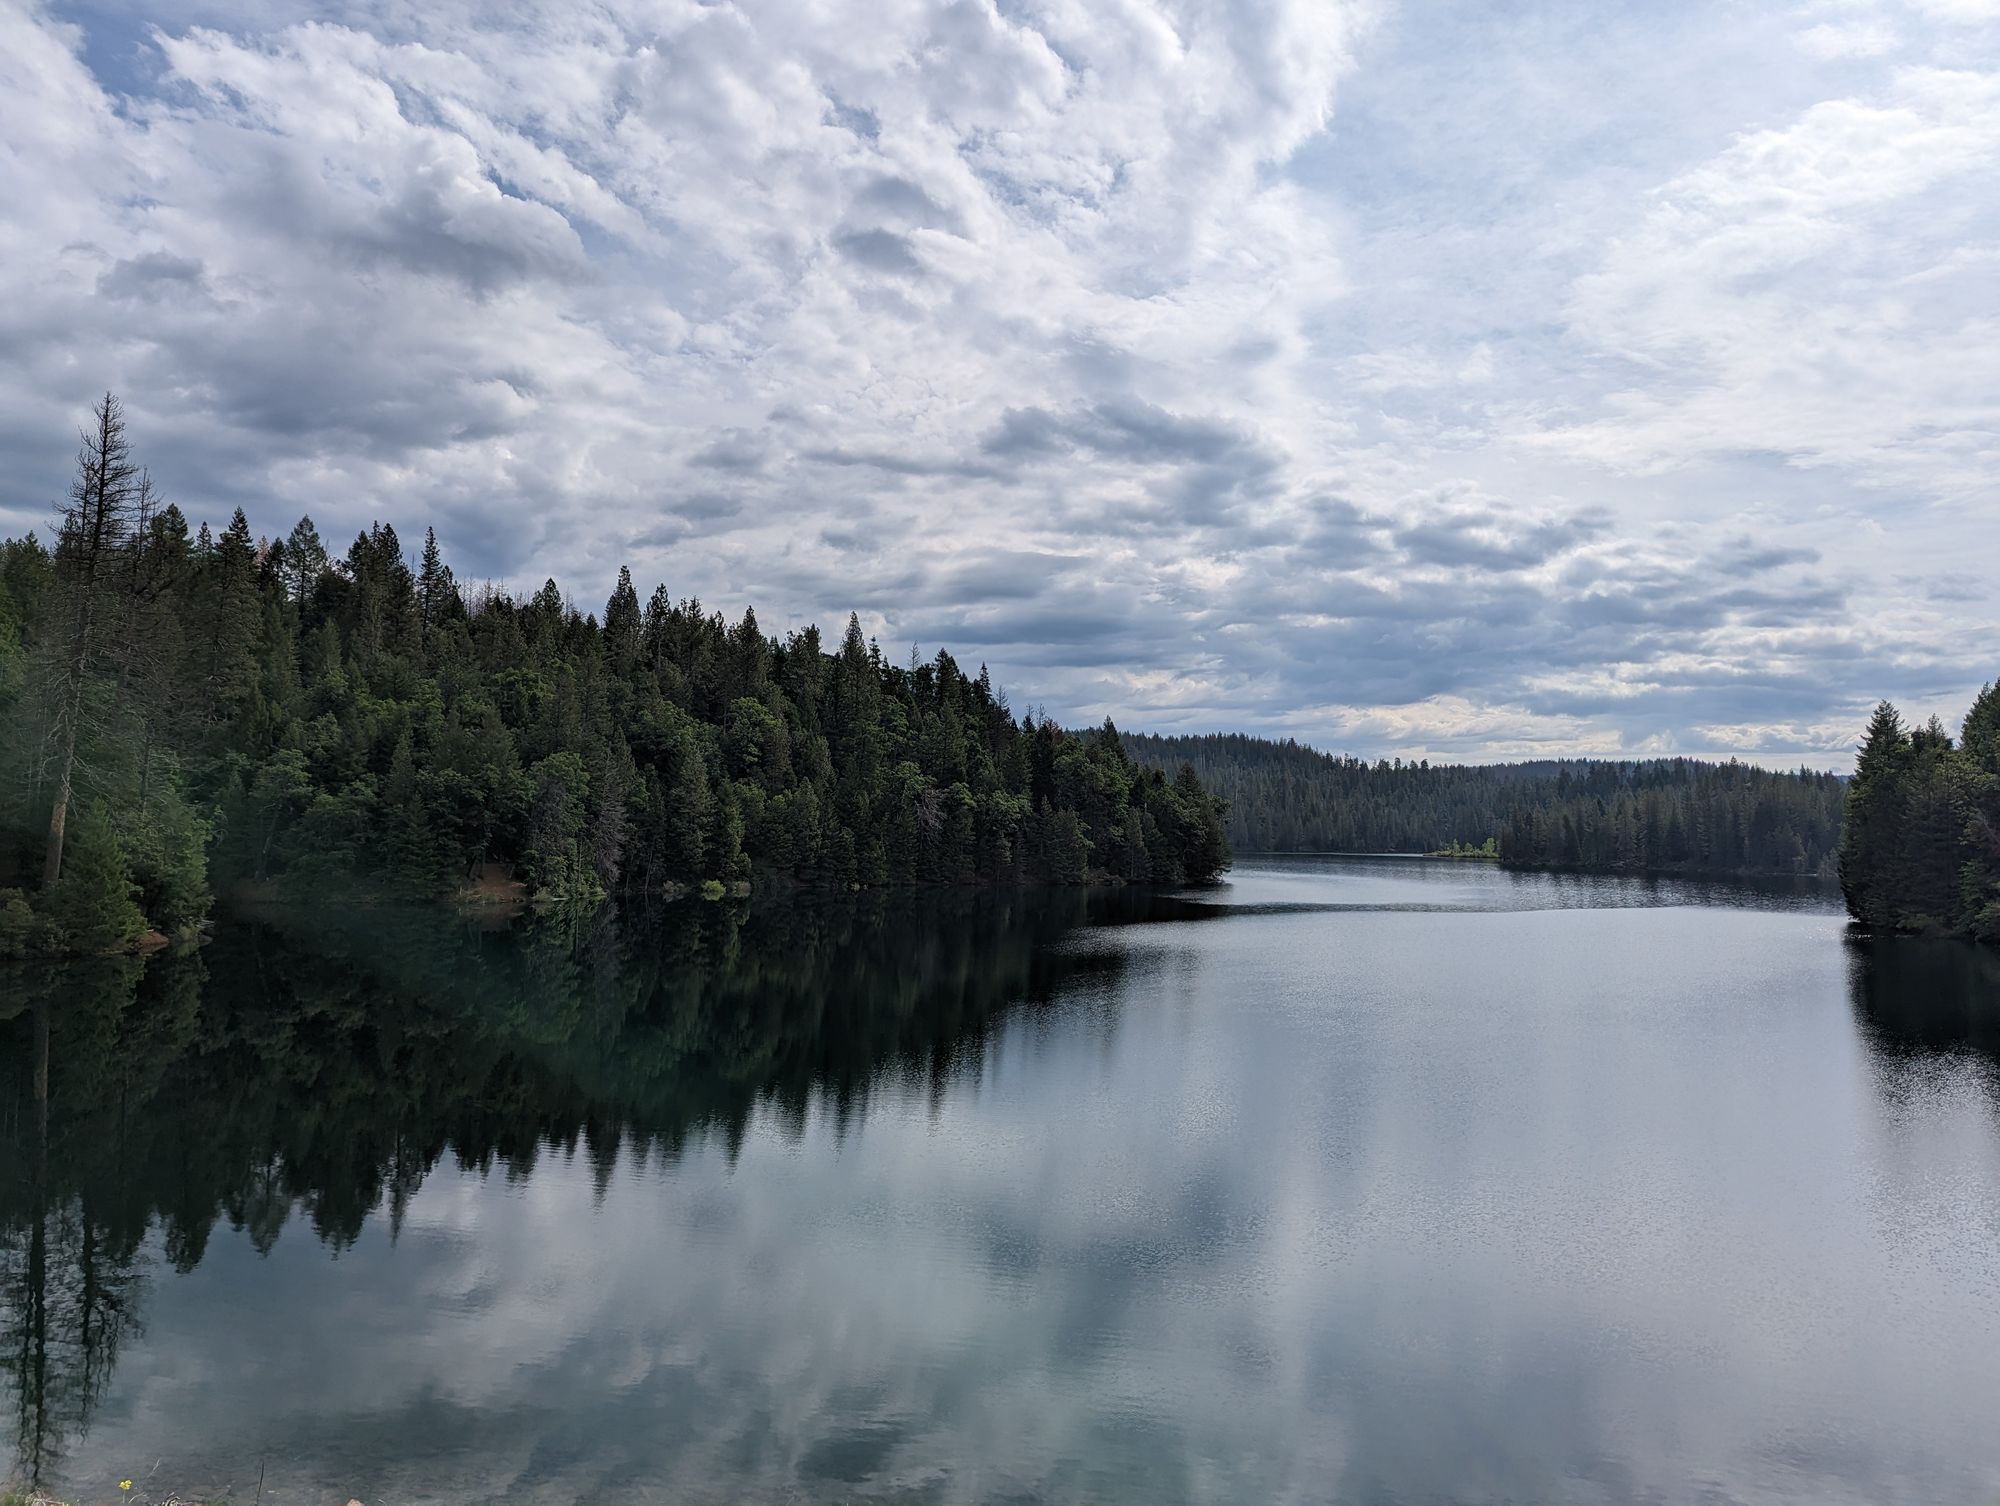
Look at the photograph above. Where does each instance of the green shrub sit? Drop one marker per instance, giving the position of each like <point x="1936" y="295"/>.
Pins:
<point x="22" y="933"/>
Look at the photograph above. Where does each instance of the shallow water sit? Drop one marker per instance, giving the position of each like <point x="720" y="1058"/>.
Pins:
<point x="1353" y="1180"/>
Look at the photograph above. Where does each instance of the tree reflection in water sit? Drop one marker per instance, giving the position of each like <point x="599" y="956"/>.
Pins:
<point x="322" y="1065"/>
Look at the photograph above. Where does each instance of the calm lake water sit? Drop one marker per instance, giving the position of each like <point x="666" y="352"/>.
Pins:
<point x="1352" y="1180"/>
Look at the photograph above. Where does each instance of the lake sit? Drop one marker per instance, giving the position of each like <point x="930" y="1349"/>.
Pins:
<point x="1349" y="1180"/>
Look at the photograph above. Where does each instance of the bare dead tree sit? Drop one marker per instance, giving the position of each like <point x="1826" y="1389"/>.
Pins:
<point x="94" y="526"/>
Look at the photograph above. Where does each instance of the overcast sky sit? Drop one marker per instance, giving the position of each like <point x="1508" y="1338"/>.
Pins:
<point x="1464" y="379"/>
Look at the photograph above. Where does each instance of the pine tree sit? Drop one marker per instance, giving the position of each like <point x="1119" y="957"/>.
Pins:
<point x="92" y="902"/>
<point x="435" y="587"/>
<point x="689" y="816"/>
<point x="623" y="626"/>
<point x="230" y="613"/>
<point x="1978" y="908"/>
<point x="1979" y="736"/>
<point x="169" y="859"/>
<point x="305" y="561"/>
<point x="1204" y="847"/>
<point x="1924" y="877"/>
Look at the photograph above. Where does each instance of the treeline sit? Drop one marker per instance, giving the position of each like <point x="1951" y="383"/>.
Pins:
<point x="1922" y="847"/>
<point x="1647" y="815"/>
<point x="1286" y="797"/>
<point x="1680" y="815"/>
<point x="186" y="710"/>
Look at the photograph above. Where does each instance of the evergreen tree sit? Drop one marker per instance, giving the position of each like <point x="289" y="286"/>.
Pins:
<point x="228" y="610"/>
<point x="1926" y="873"/>
<point x="437" y="591"/>
<point x="1979" y="878"/>
<point x="1876" y="801"/>
<point x="1921" y="850"/>
<point x="623" y="626"/>
<point x="92" y="905"/>
<point x="305" y="561"/>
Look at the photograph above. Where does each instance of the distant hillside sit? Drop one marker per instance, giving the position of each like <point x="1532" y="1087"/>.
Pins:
<point x="1663" y="814"/>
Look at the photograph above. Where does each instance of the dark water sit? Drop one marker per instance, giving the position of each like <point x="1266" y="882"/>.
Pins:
<point x="1353" y="1181"/>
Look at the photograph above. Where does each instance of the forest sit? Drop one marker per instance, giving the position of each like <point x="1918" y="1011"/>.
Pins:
<point x="1647" y="815"/>
<point x="1921" y="851"/>
<point x="186" y="712"/>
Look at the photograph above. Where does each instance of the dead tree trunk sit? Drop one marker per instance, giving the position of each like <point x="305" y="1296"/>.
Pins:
<point x="93" y="527"/>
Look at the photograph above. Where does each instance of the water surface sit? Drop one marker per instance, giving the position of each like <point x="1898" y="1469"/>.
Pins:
<point x="1355" y="1180"/>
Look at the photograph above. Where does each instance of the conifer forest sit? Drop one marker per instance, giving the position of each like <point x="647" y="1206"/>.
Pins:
<point x="191" y="712"/>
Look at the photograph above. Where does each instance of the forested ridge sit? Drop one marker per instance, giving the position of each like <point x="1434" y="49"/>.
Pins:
<point x="1645" y="815"/>
<point x="1921" y="851"/>
<point x="186" y="710"/>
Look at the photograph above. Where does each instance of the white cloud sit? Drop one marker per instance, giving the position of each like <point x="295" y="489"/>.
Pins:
<point x="817" y="315"/>
<point x="1811" y="293"/>
<point x="1858" y="39"/>
<point x="1961" y="12"/>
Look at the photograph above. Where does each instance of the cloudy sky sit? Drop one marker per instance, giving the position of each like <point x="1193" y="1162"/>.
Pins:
<point x="1454" y="378"/>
